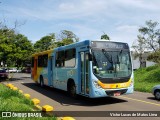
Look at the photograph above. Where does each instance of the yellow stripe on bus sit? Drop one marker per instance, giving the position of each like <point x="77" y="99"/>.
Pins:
<point x="115" y="85"/>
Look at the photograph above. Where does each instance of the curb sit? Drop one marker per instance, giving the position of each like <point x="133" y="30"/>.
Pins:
<point x="45" y="108"/>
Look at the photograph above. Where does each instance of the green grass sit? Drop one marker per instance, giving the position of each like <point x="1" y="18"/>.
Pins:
<point x="14" y="101"/>
<point x="146" y="78"/>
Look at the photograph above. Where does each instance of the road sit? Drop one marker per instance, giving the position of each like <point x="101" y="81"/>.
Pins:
<point x="62" y="102"/>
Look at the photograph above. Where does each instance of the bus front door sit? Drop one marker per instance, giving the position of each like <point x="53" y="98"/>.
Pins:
<point x="84" y="73"/>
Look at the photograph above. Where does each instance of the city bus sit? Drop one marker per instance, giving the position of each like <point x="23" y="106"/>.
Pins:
<point x="91" y="68"/>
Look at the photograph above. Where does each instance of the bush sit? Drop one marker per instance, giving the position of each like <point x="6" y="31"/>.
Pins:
<point x="146" y="78"/>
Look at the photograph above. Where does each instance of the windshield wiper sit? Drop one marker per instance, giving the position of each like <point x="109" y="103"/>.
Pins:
<point x="109" y="58"/>
<point x="121" y="52"/>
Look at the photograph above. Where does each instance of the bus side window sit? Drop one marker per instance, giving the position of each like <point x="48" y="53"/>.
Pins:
<point x="70" y="60"/>
<point x="60" y="59"/>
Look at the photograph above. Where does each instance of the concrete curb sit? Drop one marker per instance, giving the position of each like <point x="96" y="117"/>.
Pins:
<point x="45" y="108"/>
<point x="27" y="96"/>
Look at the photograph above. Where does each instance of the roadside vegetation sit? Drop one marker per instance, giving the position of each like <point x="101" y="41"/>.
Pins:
<point x="16" y="49"/>
<point x="14" y="101"/>
<point x="146" y="78"/>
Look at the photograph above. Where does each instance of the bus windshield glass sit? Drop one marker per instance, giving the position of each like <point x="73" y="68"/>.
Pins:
<point x="111" y="63"/>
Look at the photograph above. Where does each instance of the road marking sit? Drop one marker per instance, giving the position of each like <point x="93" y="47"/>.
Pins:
<point x="140" y="100"/>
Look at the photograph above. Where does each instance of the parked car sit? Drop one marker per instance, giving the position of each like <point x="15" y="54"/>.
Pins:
<point x="156" y="92"/>
<point x="26" y="70"/>
<point x="3" y="74"/>
<point x="12" y="70"/>
<point x="19" y="71"/>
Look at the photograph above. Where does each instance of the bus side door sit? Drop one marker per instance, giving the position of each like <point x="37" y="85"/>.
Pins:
<point x="84" y="72"/>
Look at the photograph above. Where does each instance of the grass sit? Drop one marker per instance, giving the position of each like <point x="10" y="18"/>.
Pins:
<point x="146" y="78"/>
<point x="14" y="101"/>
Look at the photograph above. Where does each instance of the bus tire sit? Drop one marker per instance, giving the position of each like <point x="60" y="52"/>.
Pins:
<point x="41" y="81"/>
<point x="72" y="89"/>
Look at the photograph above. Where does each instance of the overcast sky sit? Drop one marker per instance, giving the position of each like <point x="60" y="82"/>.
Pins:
<point x="88" y="19"/>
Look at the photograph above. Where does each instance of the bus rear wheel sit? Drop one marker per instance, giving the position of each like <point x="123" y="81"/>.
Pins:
<point x="41" y="81"/>
<point x="72" y="90"/>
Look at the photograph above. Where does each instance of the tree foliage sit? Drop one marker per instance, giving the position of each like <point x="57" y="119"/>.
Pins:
<point x="50" y="41"/>
<point x="155" y="57"/>
<point x="105" y="36"/>
<point x="23" y="51"/>
<point x="151" y="35"/>
<point x="15" y="48"/>
<point x="139" y="47"/>
<point x="67" y="35"/>
<point x="148" y="39"/>
<point x="45" y="43"/>
<point x="65" y="38"/>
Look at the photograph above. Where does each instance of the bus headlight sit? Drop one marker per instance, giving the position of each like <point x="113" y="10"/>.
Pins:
<point x="96" y="84"/>
<point x="131" y="83"/>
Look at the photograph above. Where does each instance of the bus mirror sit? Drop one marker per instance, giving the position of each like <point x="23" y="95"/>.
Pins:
<point x="90" y="57"/>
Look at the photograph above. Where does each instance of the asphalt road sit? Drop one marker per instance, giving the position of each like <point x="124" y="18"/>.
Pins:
<point x="62" y="102"/>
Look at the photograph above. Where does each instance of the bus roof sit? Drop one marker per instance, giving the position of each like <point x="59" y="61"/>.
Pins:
<point x="42" y="53"/>
<point x="80" y="43"/>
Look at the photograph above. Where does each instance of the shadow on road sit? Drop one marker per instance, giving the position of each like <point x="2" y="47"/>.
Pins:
<point x="63" y="98"/>
<point x="15" y="77"/>
<point x="10" y="79"/>
<point x="152" y="98"/>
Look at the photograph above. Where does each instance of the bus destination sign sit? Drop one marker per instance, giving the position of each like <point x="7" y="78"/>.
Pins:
<point x="109" y="45"/>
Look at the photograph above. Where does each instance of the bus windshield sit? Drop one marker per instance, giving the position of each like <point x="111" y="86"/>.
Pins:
<point x="111" y="63"/>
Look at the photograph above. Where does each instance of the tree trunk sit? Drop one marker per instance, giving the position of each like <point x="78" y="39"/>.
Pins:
<point x="140" y="60"/>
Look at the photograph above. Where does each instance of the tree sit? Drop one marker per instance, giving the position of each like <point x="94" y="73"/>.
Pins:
<point x="50" y="42"/>
<point x="155" y="57"/>
<point x="45" y="43"/>
<point x="67" y="35"/>
<point x="65" y="38"/>
<point x="139" y="47"/>
<point x="151" y="35"/>
<point x="105" y="36"/>
<point x="148" y="39"/>
<point x="23" y="51"/>
<point x="6" y="44"/>
<point x="15" y="49"/>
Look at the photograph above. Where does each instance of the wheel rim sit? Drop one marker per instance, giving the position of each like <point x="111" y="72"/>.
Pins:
<point x="157" y="95"/>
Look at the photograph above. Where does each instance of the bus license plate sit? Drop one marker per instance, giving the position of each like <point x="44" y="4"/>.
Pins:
<point x="117" y="94"/>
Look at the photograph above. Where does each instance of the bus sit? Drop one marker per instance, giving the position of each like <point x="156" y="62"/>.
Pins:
<point x="91" y="68"/>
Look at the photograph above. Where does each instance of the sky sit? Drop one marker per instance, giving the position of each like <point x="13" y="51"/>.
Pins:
<point x="88" y="19"/>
